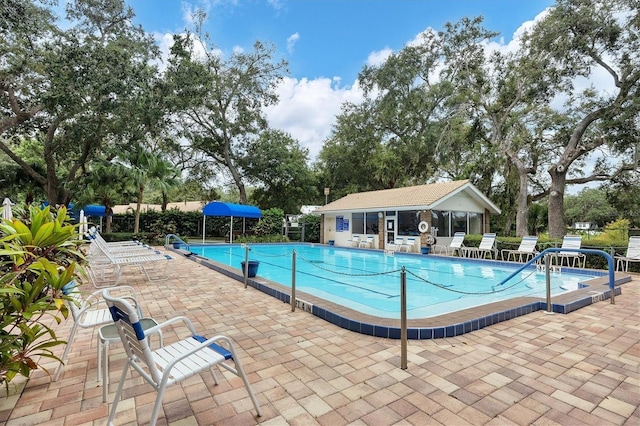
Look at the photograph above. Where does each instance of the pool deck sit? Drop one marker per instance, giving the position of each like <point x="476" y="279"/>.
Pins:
<point x="544" y="369"/>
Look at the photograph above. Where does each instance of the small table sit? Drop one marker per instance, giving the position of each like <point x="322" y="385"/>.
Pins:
<point x="109" y="334"/>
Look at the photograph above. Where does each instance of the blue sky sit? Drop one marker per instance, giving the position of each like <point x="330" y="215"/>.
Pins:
<point x="331" y="38"/>
<point x="326" y="42"/>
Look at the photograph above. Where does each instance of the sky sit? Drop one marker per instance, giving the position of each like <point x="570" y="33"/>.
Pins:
<point x="325" y="42"/>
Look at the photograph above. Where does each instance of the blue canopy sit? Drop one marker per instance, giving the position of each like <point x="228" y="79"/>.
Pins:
<point x="218" y="208"/>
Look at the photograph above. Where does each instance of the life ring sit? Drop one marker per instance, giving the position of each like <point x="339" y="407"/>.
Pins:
<point x="423" y="227"/>
<point x="430" y="239"/>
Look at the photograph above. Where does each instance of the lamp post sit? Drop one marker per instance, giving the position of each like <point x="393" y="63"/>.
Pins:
<point x="326" y="195"/>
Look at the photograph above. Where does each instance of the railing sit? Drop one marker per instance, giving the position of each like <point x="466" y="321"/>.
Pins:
<point x="173" y="239"/>
<point x="548" y="251"/>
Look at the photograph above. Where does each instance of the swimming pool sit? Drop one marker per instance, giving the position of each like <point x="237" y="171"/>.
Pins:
<point x="368" y="281"/>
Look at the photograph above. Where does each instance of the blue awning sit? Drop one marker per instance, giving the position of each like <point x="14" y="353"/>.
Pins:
<point x="95" y="210"/>
<point x="218" y="208"/>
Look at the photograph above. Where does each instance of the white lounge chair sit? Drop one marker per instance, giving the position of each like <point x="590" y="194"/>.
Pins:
<point x="396" y="244"/>
<point x="368" y="243"/>
<point x="572" y="258"/>
<point x="172" y="363"/>
<point x="633" y="255"/>
<point x="408" y="245"/>
<point x="526" y="250"/>
<point x="487" y="247"/>
<point x="106" y="270"/>
<point x="354" y="241"/>
<point x="456" y="244"/>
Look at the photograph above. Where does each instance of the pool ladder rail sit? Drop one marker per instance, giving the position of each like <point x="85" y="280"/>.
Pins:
<point x="172" y="240"/>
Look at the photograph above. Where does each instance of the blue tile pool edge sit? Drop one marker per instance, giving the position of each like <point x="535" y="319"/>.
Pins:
<point x="417" y="333"/>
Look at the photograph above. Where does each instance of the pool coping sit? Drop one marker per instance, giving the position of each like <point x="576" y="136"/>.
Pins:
<point x="440" y="326"/>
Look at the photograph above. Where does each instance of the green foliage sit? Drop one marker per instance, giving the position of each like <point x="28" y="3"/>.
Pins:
<point x="279" y="165"/>
<point x="270" y="223"/>
<point x="261" y="239"/>
<point x="590" y="205"/>
<point x="311" y="228"/>
<point x="38" y="257"/>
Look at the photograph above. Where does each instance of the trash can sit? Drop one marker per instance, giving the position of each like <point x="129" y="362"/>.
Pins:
<point x="425" y="250"/>
<point x="253" y="268"/>
<point x="331" y="242"/>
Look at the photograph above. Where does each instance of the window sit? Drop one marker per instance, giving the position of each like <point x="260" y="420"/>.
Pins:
<point x="458" y="222"/>
<point x="357" y="226"/>
<point x="475" y="223"/>
<point x="372" y="223"/>
<point x="440" y="223"/>
<point x="408" y="222"/>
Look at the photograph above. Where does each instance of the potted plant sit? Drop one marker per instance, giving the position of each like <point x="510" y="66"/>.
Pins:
<point x="38" y="257"/>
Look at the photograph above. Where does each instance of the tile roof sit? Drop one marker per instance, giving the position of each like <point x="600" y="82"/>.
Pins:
<point x="410" y="196"/>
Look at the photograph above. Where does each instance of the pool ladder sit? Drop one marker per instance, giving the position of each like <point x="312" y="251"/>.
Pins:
<point x="174" y="239"/>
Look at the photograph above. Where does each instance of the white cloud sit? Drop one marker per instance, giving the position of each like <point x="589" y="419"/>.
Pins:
<point x="379" y="57"/>
<point x="308" y="108"/>
<point x="291" y="41"/>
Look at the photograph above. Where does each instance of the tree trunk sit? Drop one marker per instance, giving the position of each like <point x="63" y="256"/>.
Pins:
<point x="136" y="226"/>
<point x="107" y="220"/>
<point x="557" y="228"/>
<point x="522" y="215"/>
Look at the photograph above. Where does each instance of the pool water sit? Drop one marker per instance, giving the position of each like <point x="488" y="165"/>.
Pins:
<point x="368" y="281"/>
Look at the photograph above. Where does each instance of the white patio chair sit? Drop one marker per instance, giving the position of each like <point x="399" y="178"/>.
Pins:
<point x="526" y="250"/>
<point x="486" y="247"/>
<point x="396" y="244"/>
<point x="572" y="257"/>
<point x="87" y="312"/>
<point x="355" y="241"/>
<point x="408" y="245"/>
<point x="456" y="244"/>
<point x="368" y="243"/>
<point x="172" y="363"/>
<point x="633" y="255"/>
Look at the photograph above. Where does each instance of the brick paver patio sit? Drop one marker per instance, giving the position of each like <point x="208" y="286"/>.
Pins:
<point x="581" y="368"/>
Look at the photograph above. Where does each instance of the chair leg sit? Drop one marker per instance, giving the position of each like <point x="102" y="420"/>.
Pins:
<point x="158" y="404"/>
<point x="247" y="385"/>
<point x="105" y="370"/>
<point x="65" y="354"/>
<point x="116" y="399"/>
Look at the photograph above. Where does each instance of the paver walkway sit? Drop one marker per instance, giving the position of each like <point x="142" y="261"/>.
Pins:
<point x="581" y="368"/>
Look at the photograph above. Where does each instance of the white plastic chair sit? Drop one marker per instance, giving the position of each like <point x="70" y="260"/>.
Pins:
<point x="457" y="244"/>
<point x="172" y="363"/>
<point x="633" y="255"/>
<point x="87" y="312"/>
<point x="408" y="245"/>
<point x="486" y="247"/>
<point x="355" y="241"/>
<point x="368" y="243"/>
<point x="572" y="257"/>
<point x="108" y="334"/>
<point x="525" y="250"/>
<point x="396" y="244"/>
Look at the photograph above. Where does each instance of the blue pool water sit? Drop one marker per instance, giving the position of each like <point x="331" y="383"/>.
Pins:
<point x="368" y="281"/>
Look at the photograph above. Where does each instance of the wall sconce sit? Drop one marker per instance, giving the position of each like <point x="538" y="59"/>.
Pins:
<point x="380" y="215"/>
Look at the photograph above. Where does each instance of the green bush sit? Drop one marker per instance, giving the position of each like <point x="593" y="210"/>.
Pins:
<point x="38" y="257"/>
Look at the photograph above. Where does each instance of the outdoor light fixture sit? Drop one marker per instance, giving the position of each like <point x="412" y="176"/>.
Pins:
<point x="379" y="215"/>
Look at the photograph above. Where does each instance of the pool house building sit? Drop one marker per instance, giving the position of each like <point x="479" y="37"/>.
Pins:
<point x="380" y="218"/>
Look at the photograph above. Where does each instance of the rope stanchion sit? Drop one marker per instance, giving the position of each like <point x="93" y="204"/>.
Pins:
<point x="246" y="266"/>
<point x="293" y="281"/>
<point x="403" y="319"/>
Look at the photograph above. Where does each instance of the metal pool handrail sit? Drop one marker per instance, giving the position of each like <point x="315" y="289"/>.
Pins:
<point x="581" y="250"/>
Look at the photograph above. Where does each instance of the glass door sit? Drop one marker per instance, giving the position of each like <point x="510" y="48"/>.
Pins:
<point x="390" y="230"/>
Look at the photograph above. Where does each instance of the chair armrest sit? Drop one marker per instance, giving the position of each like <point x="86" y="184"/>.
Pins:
<point x="204" y="345"/>
<point x="171" y="322"/>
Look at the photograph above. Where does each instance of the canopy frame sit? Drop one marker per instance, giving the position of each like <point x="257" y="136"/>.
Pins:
<point x="219" y="208"/>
